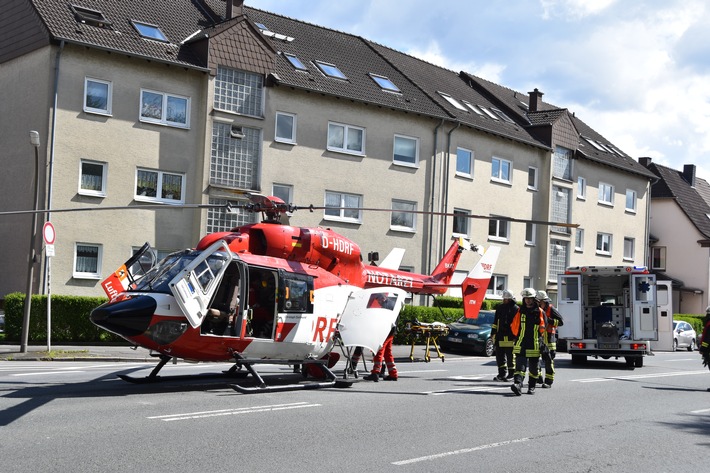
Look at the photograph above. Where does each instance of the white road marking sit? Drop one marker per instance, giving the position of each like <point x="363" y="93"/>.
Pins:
<point x="457" y="452"/>
<point x="419" y="371"/>
<point x="701" y="411"/>
<point x="45" y="373"/>
<point x="228" y="412"/>
<point x="638" y="376"/>
<point x="473" y="389"/>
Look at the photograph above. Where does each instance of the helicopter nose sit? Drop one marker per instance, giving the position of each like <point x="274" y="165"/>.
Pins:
<point x="128" y="317"/>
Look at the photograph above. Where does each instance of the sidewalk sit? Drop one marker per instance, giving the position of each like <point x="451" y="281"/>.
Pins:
<point x="125" y="353"/>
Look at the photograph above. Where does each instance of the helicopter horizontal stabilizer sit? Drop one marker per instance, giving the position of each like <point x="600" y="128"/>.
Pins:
<point x="394" y="259"/>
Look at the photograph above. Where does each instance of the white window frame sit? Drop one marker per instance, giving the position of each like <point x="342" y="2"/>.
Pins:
<point x="163" y="119"/>
<point x="342" y="217"/>
<point x="109" y="96"/>
<point x="99" y="257"/>
<point x="501" y="164"/>
<point x="104" y="174"/>
<point x="530" y="232"/>
<point x="535" y="178"/>
<point x="661" y="251"/>
<point x="579" y="240"/>
<point x="500" y="229"/>
<point x="630" y="194"/>
<point x="346" y="131"/>
<point x="466" y="222"/>
<point x="581" y="188"/>
<point x="629" y="248"/>
<point x="497" y="280"/>
<point x="286" y="189"/>
<point x="159" y="187"/>
<point x="416" y="151"/>
<point x="284" y="139"/>
<point x="604" y="239"/>
<point x="605" y="199"/>
<point x="468" y="174"/>
<point x="408" y="213"/>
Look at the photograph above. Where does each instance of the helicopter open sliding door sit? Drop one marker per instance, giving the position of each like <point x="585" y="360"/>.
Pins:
<point x="369" y="315"/>
<point x="195" y="285"/>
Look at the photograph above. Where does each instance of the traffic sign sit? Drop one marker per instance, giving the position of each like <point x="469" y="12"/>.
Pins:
<point x="49" y="234"/>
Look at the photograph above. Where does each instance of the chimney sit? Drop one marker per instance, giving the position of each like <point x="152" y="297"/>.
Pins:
<point x="645" y="162"/>
<point x="234" y="8"/>
<point x="535" y="100"/>
<point x="689" y="174"/>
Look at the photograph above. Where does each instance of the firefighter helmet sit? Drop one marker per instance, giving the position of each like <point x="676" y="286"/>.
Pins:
<point x="508" y="295"/>
<point x="541" y="296"/>
<point x="528" y="292"/>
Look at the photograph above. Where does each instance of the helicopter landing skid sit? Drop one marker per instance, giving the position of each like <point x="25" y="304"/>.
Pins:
<point x="154" y="378"/>
<point x="262" y="387"/>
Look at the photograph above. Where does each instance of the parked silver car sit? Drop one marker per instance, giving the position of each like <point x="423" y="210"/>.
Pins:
<point x="684" y="335"/>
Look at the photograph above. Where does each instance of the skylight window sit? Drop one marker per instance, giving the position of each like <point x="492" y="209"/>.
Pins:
<point x="330" y="70"/>
<point x="453" y="101"/>
<point x="295" y="62"/>
<point x="261" y="26"/>
<point x="149" y="31"/>
<point x="489" y="113"/>
<point x="502" y="115"/>
<point x="384" y="82"/>
<point x="473" y="107"/>
<point x="593" y="143"/>
<point x="90" y="17"/>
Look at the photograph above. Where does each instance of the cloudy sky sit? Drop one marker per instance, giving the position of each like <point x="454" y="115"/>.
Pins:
<point x="637" y="71"/>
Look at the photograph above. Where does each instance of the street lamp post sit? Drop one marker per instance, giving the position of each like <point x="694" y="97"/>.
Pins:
<point x="34" y="140"/>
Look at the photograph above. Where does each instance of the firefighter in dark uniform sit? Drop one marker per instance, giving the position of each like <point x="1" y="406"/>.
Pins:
<point x="553" y="319"/>
<point x="704" y="347"/>
<point x="503" y="337"/>
<point x="529" y="326"/>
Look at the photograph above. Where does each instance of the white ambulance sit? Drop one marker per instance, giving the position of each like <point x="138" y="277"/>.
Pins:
<point x="611" y="311"/>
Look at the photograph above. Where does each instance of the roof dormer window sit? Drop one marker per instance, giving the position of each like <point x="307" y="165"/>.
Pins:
<point x="295" y="62"/>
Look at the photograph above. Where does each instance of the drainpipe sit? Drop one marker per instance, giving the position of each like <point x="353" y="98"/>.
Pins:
<point x="445" y="185"/>
<point x="431" y="197"/>
<point x="50" y="172"/>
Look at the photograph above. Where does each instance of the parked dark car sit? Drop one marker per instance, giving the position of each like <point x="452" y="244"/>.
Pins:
<point x="471" y="334"/>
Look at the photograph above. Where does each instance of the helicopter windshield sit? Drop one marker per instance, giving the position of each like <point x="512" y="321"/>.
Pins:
<point x="157" y="279"/>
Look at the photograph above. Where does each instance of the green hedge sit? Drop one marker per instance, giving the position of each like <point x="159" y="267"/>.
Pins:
<point x="71" y="324"/>
<point x="70" y="319"/>
<point x="695" y="320"/>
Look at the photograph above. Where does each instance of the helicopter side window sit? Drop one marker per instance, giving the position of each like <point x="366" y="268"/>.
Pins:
<point x="296" y="293"/>
<point x="382" y="300"/>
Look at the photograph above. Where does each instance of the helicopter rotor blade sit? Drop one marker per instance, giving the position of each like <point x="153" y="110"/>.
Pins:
<point x="445" y="214"/>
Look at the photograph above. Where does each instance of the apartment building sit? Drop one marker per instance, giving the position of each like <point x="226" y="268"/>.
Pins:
<point x="183" y="103"/>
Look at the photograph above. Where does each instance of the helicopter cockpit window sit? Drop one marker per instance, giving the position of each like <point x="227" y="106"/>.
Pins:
<point x="382" y="300"/>
<point x="157" y="279"/>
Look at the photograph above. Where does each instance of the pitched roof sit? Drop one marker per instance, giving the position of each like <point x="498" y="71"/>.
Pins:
<point x="691" y="200"/>
<point x="592" y="145"/>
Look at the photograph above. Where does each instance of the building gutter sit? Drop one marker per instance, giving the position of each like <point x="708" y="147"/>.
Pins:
<point x="431" y="197"/>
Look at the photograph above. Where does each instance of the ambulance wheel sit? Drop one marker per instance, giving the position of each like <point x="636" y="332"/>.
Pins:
<point x="638" y="362"/>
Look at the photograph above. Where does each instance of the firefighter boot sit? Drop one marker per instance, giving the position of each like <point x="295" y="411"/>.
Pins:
<point x="531" y="385"/>
<point x="517" y="386"/>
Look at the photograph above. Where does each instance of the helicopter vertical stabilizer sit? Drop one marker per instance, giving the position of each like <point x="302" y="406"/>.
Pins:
<point x="474" y="286"/>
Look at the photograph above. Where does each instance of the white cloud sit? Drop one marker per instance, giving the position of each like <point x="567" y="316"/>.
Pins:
<point x="573" y="9"/>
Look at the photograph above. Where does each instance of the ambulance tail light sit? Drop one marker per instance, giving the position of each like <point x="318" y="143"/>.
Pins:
<point x="638" y="346"/>
<point x="578" y="345"/>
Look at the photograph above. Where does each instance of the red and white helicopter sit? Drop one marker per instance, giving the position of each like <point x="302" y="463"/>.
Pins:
<point x="272" y="293"/>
